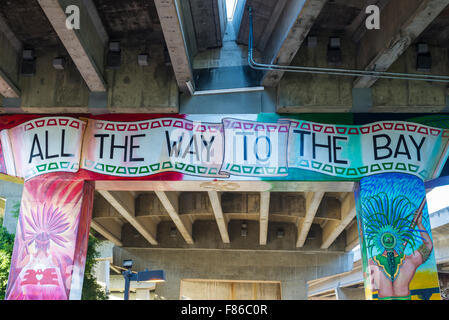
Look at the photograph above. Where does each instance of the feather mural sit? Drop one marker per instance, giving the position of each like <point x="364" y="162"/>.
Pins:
<point x="46" y="225"/>
<point x="382" y="215"/>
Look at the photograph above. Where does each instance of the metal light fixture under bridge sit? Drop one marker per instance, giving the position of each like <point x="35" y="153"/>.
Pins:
<point x="154" y="276"/>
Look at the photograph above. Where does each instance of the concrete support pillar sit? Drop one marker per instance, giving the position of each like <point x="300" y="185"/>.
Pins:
<point x="395" y="238"/>
<point x="107" y="274"/>
<point x="349" y="293"/>
<point x="12" y="193"/>
<point x="143" y="294"/>
<point x="51" y="240"/>
<point x="293" y="289"/>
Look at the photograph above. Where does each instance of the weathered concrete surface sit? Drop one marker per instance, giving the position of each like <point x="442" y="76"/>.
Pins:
<point x="186" y="18"/>
<point x="292" y="269"/>
<point x="207" y="236"/>
<point x="303" y="93"/>
<point x="350" y="293"/>
<point x="440" y="237"/>
<point x="51" y="90"/>
<point x="175" y="40"/>
<point x="295" y="23"/>
<point x="262" y="14"/>
<point x="132" y="22"/>
<point x="12" y="193"/>
<point x="228" y="55"/>
<point x="149" y="89"/>
<point x="232" y="103"/>
<point x="402" y="21"/>
<point x="132" y="88"/>
<point x="412" y="96"/>
<point x="85" y="46"/>
<point x="153" y="89"/>
<point x="209" y="18"/>
<point x="120" y="216"/>
<point x="9" y="61"/>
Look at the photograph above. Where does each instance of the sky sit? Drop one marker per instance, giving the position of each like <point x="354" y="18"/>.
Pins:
<point x="230" y="6"/>
<point x="438" y="199"/>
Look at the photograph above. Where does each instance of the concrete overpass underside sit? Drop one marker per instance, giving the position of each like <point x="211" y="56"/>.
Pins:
<point x="186" y="57"/>
<point x="193" y="49"/>
<point x="230" y="231"/>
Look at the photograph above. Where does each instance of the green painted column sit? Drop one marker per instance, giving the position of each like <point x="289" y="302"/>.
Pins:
<point x="395" y="238"/>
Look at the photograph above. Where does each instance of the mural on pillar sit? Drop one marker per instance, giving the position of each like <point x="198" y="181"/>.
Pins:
<point x="396" y="241"/>
<point x="51" y="240"/>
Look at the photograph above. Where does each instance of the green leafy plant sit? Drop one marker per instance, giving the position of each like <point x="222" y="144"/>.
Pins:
<point x="91" y="289"/>
<point x="6" y="247"/>
<point x="16" y="209"/>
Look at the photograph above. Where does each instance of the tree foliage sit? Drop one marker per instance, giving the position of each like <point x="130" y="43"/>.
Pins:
<point x="91" y="289"/>
<point x="6" y="246"/>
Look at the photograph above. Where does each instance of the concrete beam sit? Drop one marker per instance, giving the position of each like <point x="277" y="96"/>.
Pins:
<point x="269" y="28"/>
<point x="107" y="220"/>
<point x="209" y="19"/>
<point x="96" y="20"/>
<point x="11" y="48"/>
<point x="7" y="88"/>
<point x="350" y="293"/>
<point x="284" y="206"/>
<point x="176" y="44"/>
<point x="85" y="46"/>
<point x="123" y="202"/>
<point x="170" y="202"/>
<point x="357" y="29"/>
<point x="295" y="23"/>
<point x="105" y="233"/>
<point x="333" y="229"/>
<point x="352" y="236"/>
<point x="320" y="286"/>
<point x="264" y="216"/>
<point x="402" y="21"/>
<point x="313" y="200"/>
<point x="236" y="186"/>
<point x="222" y="221"/>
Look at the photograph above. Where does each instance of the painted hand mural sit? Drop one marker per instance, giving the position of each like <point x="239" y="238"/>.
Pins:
<point x="396" y="239"/>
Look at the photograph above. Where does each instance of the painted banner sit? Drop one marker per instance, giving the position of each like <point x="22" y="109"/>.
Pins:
<point x="50" y="247"/>
<point x="359" y="151"/>
<point x="227" y="148"/>
<point x="255" y="148"/>
<point x="395" y="238"/>
<point x="136" y="149"/>
<point x="51" y="144"/>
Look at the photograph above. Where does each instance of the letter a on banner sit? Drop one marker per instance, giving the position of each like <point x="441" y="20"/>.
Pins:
<point x="51" y="241"/>
<point x="395" y="238"/>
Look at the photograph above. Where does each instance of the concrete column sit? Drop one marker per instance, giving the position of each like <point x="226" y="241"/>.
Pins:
<point x="143" y="294"/>
<point x="293" y="290"/>
<point x="350" y="293"/>
<point x="51" y="240"/>
<point x="11" y="214"/>
<point x="12" y="193"/>
<point x="107" y="272"/>
<point x="395" y="238"/>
